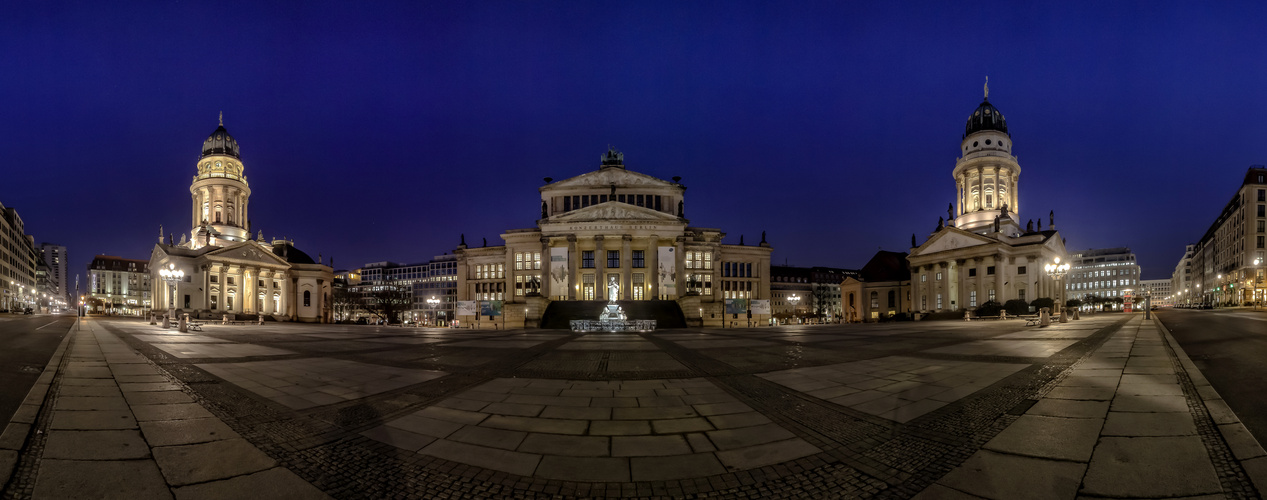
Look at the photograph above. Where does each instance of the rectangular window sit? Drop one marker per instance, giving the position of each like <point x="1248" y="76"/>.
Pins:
<point x="587" y="287"/>
<point x="939" y="301"/>
<point x="657" y="203"/>
<point x="923" y="278"/>
<point x="690" y="260"/>
<point x="972" y="272"/>
<point x="748" y="272"/>
<point x="214" y="301"/>
<point x="593" y="199"/>
<point x="231" y="283"/>
<point x="1262" y="195"/>
<point x="536" y="260"/>
<point x="639" y="285"/>
<point x="991" y="299"/>
<point x="620" y="198"/>
<point x="1260" y="242"/>
<point x="602" y="198"/>
<point x="215" y="279"/>
<point x="1262" y="210"/>
<point x="1020" y="294"/>
<point x="585" y="201"/>
<point x="587" y="260"/>
<point x="1020" y="269"/>
<point x="939" y="279"/>
<point x="613" y="258"/>
<point x="972" y="298"/>
<point x="725" y="269"/>
<point x="640" y="200"/>
<point x="989" y="270"/>
<point x="519" y="261"/>
<point x="708" y="284"/>
<point x="1262" y="226"/>
<point x="639" y="261"/>
<point x="519" y="285"/>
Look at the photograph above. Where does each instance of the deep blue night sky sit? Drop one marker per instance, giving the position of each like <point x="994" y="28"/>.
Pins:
<point x="382" y="132"/>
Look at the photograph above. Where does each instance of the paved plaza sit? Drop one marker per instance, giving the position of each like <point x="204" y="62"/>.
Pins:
<point x="1102" y="407"/>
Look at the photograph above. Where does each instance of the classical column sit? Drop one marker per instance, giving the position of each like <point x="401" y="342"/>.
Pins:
<point x="575" y="281"/>
<point x="1015" y="206"/>
<point x="979" y="283"/>
<point x="626" y="265"/>
<point x="600" y="267"/>
<point x="980" y="187"/>
<point x="293" y="310"/>
<point x="653" y="266"/>
<point x="679" y="283"/>
<point x="959" y="183"/>
<point x="545" y="266"/>
<point x="1000" y="264"/>
<point x="224" y="289"/>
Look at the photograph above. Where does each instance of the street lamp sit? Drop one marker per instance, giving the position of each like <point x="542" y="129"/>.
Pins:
<point x="794" y="299"/>
<point x="1057" y="271"/>
<point x="431" y="303"/>
<point x="1257" y="262"/>
<point x="172" y="275"/>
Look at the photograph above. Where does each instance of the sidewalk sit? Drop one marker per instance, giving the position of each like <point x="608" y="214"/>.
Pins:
<point x="1119" y="425"/>
<point x="111" y="426"/>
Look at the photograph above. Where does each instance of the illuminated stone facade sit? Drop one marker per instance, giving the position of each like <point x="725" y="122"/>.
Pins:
<point x="225" y="271"/>
<point x="613" y="223"/>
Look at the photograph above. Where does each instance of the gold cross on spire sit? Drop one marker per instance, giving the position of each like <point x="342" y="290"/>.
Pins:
<point x="987" y="87"/>
<point x="222" y="112"/>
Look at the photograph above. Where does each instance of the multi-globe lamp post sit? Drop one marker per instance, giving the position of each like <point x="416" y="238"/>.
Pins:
<point x="1255" y="280"/>
<point x="1057" y="271"/>
<point x="171" y="275"/>
<point x="794" y="299"/>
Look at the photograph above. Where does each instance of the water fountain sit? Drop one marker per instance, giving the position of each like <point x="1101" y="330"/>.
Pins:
<point x="613" y="318"/>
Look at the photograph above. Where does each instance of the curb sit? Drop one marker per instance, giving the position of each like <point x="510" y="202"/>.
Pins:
<point x="1245" y="448"/>
<point x="16" y="433"/>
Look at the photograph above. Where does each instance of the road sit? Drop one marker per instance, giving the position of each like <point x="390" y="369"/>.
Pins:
<point x="26" y="344"/>
<point x="1230" y="348"/>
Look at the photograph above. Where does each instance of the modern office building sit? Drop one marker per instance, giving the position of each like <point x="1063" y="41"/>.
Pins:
<point x="1229" y="260"/>
<point x="1158" y="290"/>
<point x="1106" y="273"/>
<point x="58" y="271"/>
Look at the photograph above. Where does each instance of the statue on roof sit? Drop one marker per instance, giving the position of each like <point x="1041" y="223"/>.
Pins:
<point x="950" y="211"/>
<point x="680" y="211"/>
<point x="1051" y="220"/>
<point x="160" y="233"/>
<point x="941" y="222"/>
<point x="1029" y="228"/>
<point x="763" y="236"/>
<point x="741" y="240"/>
<point x="1003" y="209"/>
<point x="913" y="245"/>
<point x="987" y="87"/>
<point x="543" y="209"/>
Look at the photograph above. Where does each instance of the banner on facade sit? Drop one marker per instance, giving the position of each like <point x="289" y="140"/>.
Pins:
<point x="490" y="308"/>
<point x="737" y="306"/>
<point x="468" y="308"/>
<point x="760" y="306"/>
<point x="667" y="272"/>
<point x="559" y="279"/>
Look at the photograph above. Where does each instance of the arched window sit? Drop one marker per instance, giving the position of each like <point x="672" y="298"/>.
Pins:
<point x="875" y="300"/>
<point x="217" y="214"/>
<point x="892" y="298"/>
<point x="307" y="298"/>
<point x="850" y="299"/>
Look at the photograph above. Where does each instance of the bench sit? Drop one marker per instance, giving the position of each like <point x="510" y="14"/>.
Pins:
<point x="1031" y="320"/>
<point x="195" y="326"/>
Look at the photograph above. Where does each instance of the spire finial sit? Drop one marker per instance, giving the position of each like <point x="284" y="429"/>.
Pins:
<point x="222" y="112"/>
<point x="987" y="87"/>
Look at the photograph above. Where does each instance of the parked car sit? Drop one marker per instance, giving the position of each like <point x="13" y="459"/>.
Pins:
<point x="28" y="311"/>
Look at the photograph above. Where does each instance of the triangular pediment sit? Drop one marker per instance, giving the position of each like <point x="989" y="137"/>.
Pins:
<point x="608" y="176"/>
<point x="1056" y="244"/>
<point x="951" y="239"/>
<point x="613" y="211"/>
<point x="248" y="251"/>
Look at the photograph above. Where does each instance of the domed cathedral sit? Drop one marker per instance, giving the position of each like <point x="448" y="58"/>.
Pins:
<point x="613" y="226"/>
<point x="226" y="273"/>
<point x="978" y="252"/>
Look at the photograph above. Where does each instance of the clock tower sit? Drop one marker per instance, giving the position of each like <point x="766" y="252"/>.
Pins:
<point x="219" y="193"/>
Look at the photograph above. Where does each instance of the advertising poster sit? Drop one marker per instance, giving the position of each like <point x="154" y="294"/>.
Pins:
<point x="490" y="308"/>
<point x="667" y="272"/>
<point x="467" y="308"/>
<point x="760" y="306"/>
<point x="559" y="271"/>
<point x="736" y="306"/>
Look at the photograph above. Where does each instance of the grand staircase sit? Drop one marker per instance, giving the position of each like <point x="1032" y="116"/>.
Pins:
<point x="666" y="313"/>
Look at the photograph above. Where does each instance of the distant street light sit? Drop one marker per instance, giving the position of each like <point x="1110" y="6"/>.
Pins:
<point x="431" y="303"/>
<point x="794" y="299"/>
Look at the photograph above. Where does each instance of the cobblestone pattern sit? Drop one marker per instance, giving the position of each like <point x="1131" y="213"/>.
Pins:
<point x="1231" y="475"/>
<point x="864" y="456"/>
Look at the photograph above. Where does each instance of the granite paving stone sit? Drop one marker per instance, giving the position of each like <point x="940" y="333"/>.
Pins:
<point x="988" y="474"/>
<point x="130" y="479"/>
<point x="1049" y="437"/>
<point x="1150" y="467"/>
<point x="95" y="445"/>
<point x="196" y="463"/>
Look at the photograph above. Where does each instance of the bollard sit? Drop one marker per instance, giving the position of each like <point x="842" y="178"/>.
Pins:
<point x="184" y="319"/>
<point x="1075" y="314"/>
<point x="1044" y="317"/>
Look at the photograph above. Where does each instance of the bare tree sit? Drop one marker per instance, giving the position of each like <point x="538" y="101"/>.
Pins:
<point x="387" y="301"/>
<point x="820" y="300"/>
<point x="344" y="302"/>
